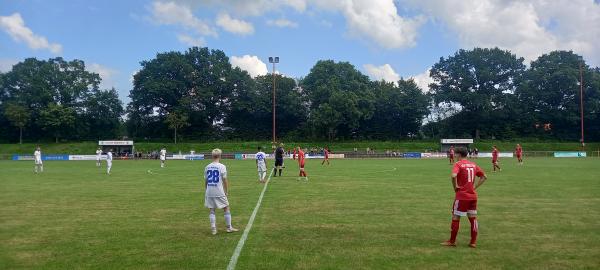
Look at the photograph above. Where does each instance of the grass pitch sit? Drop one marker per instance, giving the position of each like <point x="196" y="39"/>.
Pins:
<point x="354" y="214"/>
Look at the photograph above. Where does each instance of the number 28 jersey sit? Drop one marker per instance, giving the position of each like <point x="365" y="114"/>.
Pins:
<point x="465" y="176"/>
<point x="214" y="174"/>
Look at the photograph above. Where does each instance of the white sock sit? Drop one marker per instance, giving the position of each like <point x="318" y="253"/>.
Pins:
<point x="227" y="216"/>
<point x="213" y="219"/>
<point x="108" y="170"/>
<point x="42" y="168"/>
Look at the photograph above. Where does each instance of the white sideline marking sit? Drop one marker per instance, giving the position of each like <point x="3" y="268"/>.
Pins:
<point x="240" y="245"/>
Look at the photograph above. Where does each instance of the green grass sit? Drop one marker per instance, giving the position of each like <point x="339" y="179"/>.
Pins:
<point x="250" y="146"/>
<point x="355" y="214"/>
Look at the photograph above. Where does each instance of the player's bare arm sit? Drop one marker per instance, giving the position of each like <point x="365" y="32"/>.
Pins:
<point x="454" y="182"/>
<point x="226" y="186"/>
<point x="480" y="181"/>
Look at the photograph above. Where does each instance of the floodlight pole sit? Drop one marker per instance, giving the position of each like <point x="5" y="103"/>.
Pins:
<point x="581" y="102"/>
<point x="274" y="60"/>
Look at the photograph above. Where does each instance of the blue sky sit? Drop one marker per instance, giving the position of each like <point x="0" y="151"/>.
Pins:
<point x="385" y="39"/>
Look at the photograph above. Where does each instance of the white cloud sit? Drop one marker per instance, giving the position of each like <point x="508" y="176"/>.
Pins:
<point x="252" y="8"/>
<point x="377" y="21"/>
<point x="235" y="26"/>
<point x="282" y="23"/>
<point x="107" y="75"/>
<point x="171" y="13"/>
<point x="387" y="73"/>
<point x="14" y="25"/>
<point x="528" y="28"/>
<point x="423" y="80"/>
<point x="191" y="41"/>
<point x="7" y="64"/>
<point x="250" y="63"/>
<point x="384" y="72"/>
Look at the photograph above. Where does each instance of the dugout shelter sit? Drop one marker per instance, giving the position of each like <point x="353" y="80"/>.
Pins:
<point x="446" y="143"/>
<point x="120" y="148"/>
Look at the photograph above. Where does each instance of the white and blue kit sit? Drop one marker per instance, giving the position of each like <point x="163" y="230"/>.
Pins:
<point x="215" y="196"/>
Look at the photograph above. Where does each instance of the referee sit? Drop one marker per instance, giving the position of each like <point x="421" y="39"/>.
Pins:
<point x="279" y="152"/>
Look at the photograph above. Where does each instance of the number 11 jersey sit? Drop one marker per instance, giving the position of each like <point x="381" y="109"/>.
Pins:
<point x="465" y="176"/>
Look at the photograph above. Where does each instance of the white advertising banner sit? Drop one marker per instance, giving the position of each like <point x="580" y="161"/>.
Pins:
<point x="458" y="141"/>
<point x="115" y="142"/>
<point x="501" y="154"/>
<point x="186" y="157"/>
<point x="86" y="157"/>
<point x="434" y="155"/>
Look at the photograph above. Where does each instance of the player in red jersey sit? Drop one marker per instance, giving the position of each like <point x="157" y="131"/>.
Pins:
<point x="301" y="162"/>
<point x="465" y="200"/>
<point x="451" y="154"/>
<point x="495" y="153"/>
<point x="326" y="156"/>
<point x="519" y="154"/>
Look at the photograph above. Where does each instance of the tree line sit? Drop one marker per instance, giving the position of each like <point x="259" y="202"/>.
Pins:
<point x="198" y="94"/>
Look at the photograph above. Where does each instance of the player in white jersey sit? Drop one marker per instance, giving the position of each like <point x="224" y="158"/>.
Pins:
<point x="261" y="165"/>
<point x="163" y="157"/>
<point x="217" y="188"/>
<point x="108" y="161"/>
<point x="98" y="157"/>
<point x="37" y="156"/>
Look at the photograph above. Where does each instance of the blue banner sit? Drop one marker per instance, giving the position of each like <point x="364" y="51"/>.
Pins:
<point x="412" y="155"/>
<point x="22" y="157"/>
<point x="570" y="154"/>
<point x="44" y="157"/>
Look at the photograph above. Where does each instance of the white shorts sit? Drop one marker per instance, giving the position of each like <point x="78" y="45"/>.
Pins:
<point x="262" y="168"/>
<point x="38" y="162"/>
<point x="216" y="202"/>
<point x="109" y="163"/>
<point x="162" y="158"/>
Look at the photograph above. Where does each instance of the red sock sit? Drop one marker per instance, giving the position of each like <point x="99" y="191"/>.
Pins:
<point x="474" y="229"/>
<point x="454" y="230"/>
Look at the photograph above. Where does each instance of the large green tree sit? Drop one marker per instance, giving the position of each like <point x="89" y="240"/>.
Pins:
<point x="479" y="84"/>
<point x="176" y="121"/>
<point x="399" y="110"/>
<point x="19" y="116"/>
<point x="39" y="84"/>
<point x="197" y="83"/>
<point x="339" y="99"/>
<point x="58" y="120"/>
<point x="550" y="92"/>
<point x="102" y="116"/>
<point x="251" y="110"/>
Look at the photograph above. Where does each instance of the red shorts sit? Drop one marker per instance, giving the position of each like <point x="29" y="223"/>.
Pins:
<point x="519" y="155"/>
<point x="494" y="161"/>
<point x="462" y="207"/>
<point x="301" y="165"/>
